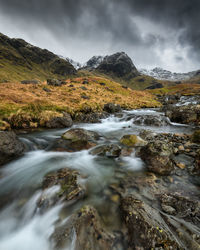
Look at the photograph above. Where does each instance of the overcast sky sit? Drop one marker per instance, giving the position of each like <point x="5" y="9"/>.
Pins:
<point x="163" y="33"/>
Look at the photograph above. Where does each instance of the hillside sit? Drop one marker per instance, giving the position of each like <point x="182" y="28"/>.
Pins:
<point x="20" y="60"/>
<point x="33" y="103"/>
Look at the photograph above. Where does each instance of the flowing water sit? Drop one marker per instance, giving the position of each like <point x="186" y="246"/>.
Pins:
<point x="22" y="226"/>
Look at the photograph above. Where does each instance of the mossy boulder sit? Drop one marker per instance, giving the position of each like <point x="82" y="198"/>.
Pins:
<point x="69" y="188"/>
<point x="196" y="136"/>
<point x="132" y="141"/>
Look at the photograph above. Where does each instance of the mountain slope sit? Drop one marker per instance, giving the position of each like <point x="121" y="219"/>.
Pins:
<point x="20" y="60"/>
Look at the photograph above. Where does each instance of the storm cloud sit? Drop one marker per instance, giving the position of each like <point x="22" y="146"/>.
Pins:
<point x="153" y="32"/>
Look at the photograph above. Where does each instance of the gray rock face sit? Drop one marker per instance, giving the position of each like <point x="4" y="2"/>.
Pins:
<point x="10" y="147"/>
<point x="118" y="64"/>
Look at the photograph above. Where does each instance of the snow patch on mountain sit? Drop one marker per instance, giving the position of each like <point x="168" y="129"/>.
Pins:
<point x="162" y="74"/>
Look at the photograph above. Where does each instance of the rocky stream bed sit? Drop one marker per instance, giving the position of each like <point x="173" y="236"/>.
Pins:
<point x="130" y="181"/>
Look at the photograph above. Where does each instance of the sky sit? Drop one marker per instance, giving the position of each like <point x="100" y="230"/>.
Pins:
<point x="154" y="33"/>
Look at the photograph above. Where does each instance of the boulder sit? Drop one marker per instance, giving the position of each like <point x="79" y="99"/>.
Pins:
<point x="132" y="141"/>
<point x="89" y="117"/>
<point x="60" y="122"/>
<point x="112" y="150"/>
<point x="158" y="157"/>
<point x="112" y="108"/>
<point x="151" y="120"/>
<point x="90" y="233"/>
<point x="69" y="188"/>
<point x="145" y="226"/>
<point x="55" y="82"/>
<point x="30" y="82"/>
<point x="196" y="136"/>
<point x="10" y="147"/>
<point x="182" y="206"/>
<point x="75" y="140"/>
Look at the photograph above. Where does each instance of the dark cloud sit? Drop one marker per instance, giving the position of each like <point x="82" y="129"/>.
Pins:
<point x="139" y="27"/>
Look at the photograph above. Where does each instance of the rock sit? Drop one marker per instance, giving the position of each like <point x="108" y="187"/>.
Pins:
<point x="30" y="82"/>
<point x="196" y="136"/>
<point x="79" y="134"/>
<point x="89" y="117"/>
<point x="112" y="108"/>
<point x="183" y="207"/>
<point x="132" y="141"/>
<point x="145" y="226"/>
<point x="188" y="114"/>
<point x="47" y="90"/>
<point x="85" y="82"/>
<point x="83" y="88"/>
<point x="75" y="140"/>
<point x="147" y="134"/>
<point x="102" y="83"/>
<point x="112" y="150"/>
<point x="55" y="82"/>
<point x="158" y="157"/>
<point x="60" y="122"/>
<point x="124" y="87"/>
<point x="85" y="97"/>
<point x="90" y="233"/>
<point x="119" y="64"/>
<point x="155" y="86"/>
<point x="151" y="120"/>
<point x="10" y="147"/>
<point x="69" y="188"/>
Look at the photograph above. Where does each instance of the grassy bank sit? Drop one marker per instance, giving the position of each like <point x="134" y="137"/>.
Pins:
<point x="40" y="102"/>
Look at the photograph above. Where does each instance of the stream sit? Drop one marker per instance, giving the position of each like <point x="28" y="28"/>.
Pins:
<point x="22" y="225"/>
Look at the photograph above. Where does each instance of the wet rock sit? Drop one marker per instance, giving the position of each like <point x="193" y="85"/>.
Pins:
<point x="60" y="122"/>
<point x="112" y="108"/>
<point x="10" y="147"/>
<point x="147" y="135"/>
<point x="30" y="82"/>
<point x="132" y="141"/>
<point x="112" y="150"/>
<point x="90" y="233"/>
<point x="196" y="136"/>
<point x="55" y="82"/>
<point x="158" y="157"/>
<point x="145" y="226"/>
<point x="188" y="114"/>
<point x="79" y="134"/>
<point x="75" y="140"/>
<point x="68" y="189"/>
<point x="151" y="120"/>
<point x="182" y="206"/>
<point x="89" y="117"/>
